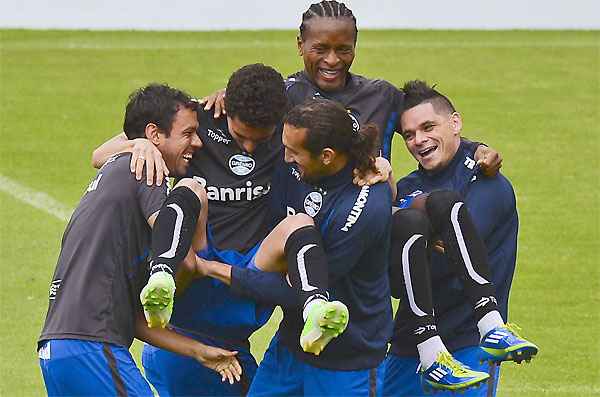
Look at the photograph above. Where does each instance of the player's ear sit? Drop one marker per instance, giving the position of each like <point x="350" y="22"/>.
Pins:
<point x="327" y="156"/>
<point x="299" y="44"/>
<point x="152" y="133"/>
<point x="456" y="122"/>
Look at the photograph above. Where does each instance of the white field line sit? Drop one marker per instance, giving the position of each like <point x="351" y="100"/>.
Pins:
<point x="36" y="199"/>
<point x="144" y="44"/>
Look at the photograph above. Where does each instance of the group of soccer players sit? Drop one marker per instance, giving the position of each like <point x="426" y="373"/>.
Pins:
<point x="284" y="197"/>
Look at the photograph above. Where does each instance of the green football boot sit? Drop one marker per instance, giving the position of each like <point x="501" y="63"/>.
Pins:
<point x="325" y="321"/>
<point x="157" y="299"/>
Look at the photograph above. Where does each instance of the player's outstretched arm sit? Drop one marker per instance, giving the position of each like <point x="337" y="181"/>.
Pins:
<point x="221" y="361"/>
<point x="143" y="154"/>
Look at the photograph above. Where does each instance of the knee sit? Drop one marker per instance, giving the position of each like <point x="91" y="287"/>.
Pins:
<point x="298" y="221"/>
<point x="195" y="187"/>
<point x="439" y="204"/>
<point x="408" y="222"/>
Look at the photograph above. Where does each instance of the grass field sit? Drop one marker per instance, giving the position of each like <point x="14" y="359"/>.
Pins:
<point x="534" y="96"/>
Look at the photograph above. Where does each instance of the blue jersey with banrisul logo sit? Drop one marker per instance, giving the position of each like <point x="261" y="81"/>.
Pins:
<point x="355" y="226"/>
<point x="491" y="203"/>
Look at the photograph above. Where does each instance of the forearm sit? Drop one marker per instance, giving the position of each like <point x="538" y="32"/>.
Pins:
<point x="167" y="339"/>
<point x="117" y="144"/>
<point x="219" y="271"/>
<point x="268" y="288"/>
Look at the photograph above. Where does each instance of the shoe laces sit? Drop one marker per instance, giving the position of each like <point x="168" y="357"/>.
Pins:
<point x="447" y="360"/>
<point x="514" y="328"/>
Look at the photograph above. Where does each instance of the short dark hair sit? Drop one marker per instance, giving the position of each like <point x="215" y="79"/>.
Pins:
<point x="331" y="9"/>
<point x="330" y="126"/>
<point x="155" y="103"/>
<point x="255" y="94"/>
<point x="417" y="92"/>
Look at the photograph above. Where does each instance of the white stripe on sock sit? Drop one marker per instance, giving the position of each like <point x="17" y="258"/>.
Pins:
<point x="463" y="248"/>
<point x="406" y="272"/>
<point x="176" y="232"/>
<point x="302" y="268"/>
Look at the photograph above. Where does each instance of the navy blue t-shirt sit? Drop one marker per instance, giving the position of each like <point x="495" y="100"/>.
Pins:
<point x="492" y="205"/>
<point x="355" y="226"/>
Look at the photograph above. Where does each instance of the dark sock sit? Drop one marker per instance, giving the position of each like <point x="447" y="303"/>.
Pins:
<point x="464" y="248"/>
<point x="174" y="229"/>
<point x="409" y="253"/>
<point x="307" y="264"/>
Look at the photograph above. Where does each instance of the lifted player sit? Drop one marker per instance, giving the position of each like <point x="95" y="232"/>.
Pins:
<point x="467" y="293"/>
<point x="94" y="311"/>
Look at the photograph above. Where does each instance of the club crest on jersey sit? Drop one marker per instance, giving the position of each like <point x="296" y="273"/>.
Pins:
<point x="313" y="203"/>
<point x="241" y="165"/>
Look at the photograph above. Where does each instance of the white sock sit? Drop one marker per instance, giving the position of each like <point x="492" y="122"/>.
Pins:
<point x="309" y="305"/>
<point x="429" y="350"/>
<point x="488" y="322"/>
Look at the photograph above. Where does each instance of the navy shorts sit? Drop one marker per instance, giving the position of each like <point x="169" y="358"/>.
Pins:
<point x="75" y="367"/>
<point x="402" y="379"/>
<point x="281" y="374"/>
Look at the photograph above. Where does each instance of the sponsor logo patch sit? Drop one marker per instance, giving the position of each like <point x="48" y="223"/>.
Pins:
<point x="218" y="135"/>
<point x="313" y="203"/>
<point x="247" y="192"/>
<point x="357" y="208"/>
<point x="241" y="165"/>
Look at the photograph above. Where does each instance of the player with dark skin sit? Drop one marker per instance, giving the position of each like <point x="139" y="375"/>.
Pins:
<point x="327" y="45"/>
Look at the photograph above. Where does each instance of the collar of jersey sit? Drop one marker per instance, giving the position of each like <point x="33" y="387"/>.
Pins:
<point x="343" y="177"/>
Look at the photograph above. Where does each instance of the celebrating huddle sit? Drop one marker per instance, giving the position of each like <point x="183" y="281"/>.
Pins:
<point x="284" y="196"/>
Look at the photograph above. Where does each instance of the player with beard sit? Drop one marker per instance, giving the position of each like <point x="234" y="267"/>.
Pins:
<point x="321" y="152"/>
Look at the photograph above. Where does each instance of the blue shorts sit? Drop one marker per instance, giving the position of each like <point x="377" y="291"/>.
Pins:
<point x="75" y="367"/>
<point x="209" y="312"/>
<point x="281" y="374"/>
<point x="175" y="375"/>
<point x="402" y="379"/>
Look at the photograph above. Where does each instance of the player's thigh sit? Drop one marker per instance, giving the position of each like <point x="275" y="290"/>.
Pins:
<point x="176" y="375"/>
<point x="324" y="382"/>
<point x="83" y="368"/>
<point x="279" y="373"/>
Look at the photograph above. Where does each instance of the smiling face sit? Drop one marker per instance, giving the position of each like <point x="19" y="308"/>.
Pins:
<point x="177" y="148"/>
<point x="310" y="167"/>
<point x="248" y="137"/>
<point x="328" y="51"/>
<point x="432" y="138"/>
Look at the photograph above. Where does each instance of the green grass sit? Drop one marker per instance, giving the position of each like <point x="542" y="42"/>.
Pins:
<point x="534" y="96"/>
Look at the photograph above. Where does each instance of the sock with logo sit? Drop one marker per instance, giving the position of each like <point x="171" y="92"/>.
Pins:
<point x="410" y="276"/>
<point x="174" y="229"/>
<point x="307" y="265"/>
<point x="464" y="247"/>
